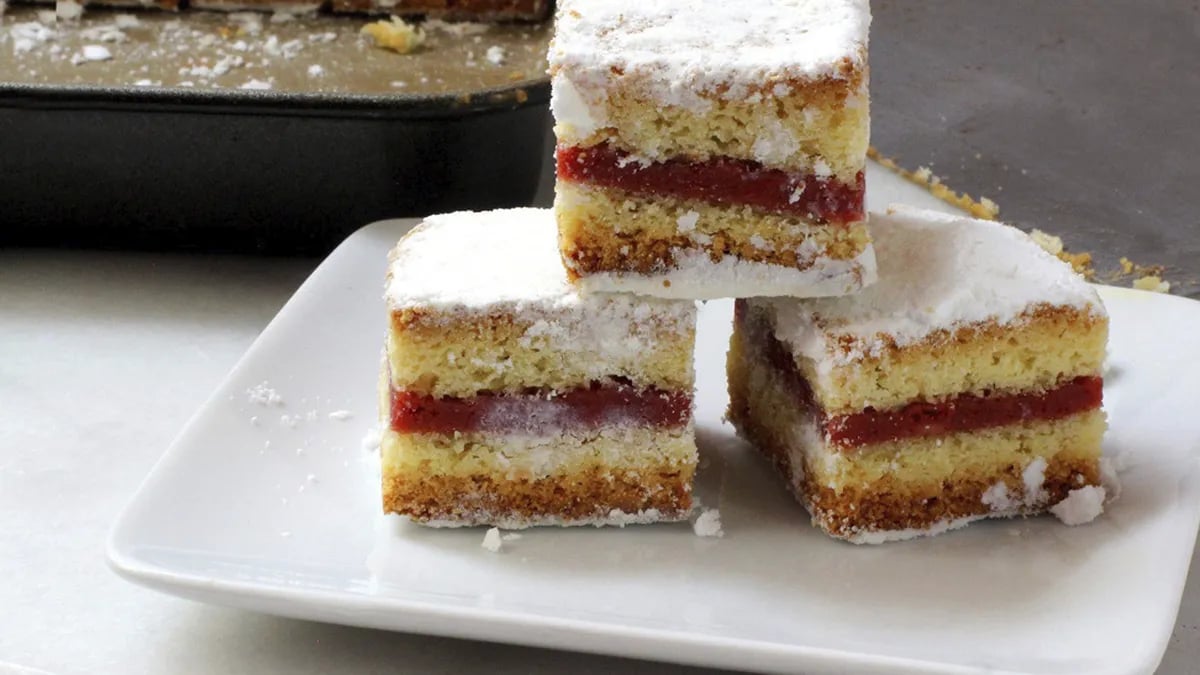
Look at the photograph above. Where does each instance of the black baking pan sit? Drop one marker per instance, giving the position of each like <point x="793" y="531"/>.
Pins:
<point x="254" y="171"/>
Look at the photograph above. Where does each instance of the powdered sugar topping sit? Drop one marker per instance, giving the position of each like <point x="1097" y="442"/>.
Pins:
<point x="507" y="261"/>
<point x="686" y="52"/>
<point x="1081" y="505"/>
<point x="936" y="272"/>
<point x="708" y="524"/>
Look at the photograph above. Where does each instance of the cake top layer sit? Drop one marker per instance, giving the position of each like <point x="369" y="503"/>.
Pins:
<point x="500" y="261"/>
<point x="936" y="272"/>
<point x="717" y="47"/>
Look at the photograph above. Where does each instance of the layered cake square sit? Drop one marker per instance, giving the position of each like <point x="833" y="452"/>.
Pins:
<point x="511" y="400"/>
<point x="965" y="384"/>
<point x="709" y="149"/>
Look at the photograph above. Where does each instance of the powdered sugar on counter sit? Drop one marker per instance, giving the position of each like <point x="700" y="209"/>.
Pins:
<point x="1082" y="505"/>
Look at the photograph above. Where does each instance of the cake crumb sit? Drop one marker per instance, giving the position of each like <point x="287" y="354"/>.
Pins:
<point x="395" y="34"/>
<point x="1049" y="243"/>
<point x="496" y="55"/>
<point x="68" y="10"/>
<point x="1080" y="506"/>
<point x="1152" y="283"/>
<point x="708" y="524"/>
<point x="492" y="541"/>
<point x="90" y="53"/>
<point x="984" y="209"/>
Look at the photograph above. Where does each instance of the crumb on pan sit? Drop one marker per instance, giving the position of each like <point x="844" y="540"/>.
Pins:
<point x="395" y="34"/>
<point x="984" y="208"/>
<point x="1050" y="243"/>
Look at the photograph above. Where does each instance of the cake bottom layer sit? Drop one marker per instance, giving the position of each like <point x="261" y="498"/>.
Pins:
<point x="912" y="487"/>
<point x="668" y="247"/>
<point x="608" y="476"/>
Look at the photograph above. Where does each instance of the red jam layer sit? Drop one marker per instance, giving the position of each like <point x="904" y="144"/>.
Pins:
<point x="537" y="413"/>
<point x="961" y="413"/>
<point x="721" y="181"/>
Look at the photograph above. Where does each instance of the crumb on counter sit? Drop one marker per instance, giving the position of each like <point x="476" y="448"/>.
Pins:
<point x="395" y="34"/>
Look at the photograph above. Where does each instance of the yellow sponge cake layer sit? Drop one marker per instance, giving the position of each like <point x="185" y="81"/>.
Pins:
<point x="822" y="128"/>
<point x="1035" y="352"/>
<point x="646" y="233"/>
<point x="505" y="353"/>
<point x="611" y="476"/>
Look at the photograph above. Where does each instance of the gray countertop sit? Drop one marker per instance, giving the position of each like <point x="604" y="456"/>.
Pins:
<point x="1077" y="117"/>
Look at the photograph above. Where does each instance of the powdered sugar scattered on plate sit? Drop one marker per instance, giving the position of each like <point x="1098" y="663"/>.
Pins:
<point x="1082" y="505"/>
<point x="492" y="541"/>
<point x="708" y="524"/>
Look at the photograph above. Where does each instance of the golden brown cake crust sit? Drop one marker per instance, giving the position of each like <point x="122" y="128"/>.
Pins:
<point x="580" y="498"/>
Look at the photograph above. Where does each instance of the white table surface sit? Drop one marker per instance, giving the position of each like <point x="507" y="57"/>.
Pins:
<point x="103" y="357"/>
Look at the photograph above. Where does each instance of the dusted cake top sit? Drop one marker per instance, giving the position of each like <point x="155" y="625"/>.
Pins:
<point x="505" y="260"/>
<point x="716" y="47"/>
<point x="936" y="272"/>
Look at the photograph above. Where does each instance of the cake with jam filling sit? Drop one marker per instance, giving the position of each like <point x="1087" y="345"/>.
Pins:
<point x="511" y="400"/>
<point x="965" y="384"/>
<point x="709" y="150"/>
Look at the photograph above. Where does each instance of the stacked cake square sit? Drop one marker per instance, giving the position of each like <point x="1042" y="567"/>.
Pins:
<point x="712" y="149"/>
<point x="539" y="364"/>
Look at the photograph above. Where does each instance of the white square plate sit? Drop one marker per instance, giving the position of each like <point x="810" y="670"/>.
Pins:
<point x="281" y="516"/>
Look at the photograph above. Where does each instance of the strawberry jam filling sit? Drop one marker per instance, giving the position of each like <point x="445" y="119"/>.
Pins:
<point x="537" y="412"/>
<point x="961" y="413"/>
<point x="722" y="181"/>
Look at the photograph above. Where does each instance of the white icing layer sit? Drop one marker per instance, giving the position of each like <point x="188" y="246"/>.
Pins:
<point x="936" y="272"/>
<point x="697" y="277"/>
<point x="507" y="261"/>
<point x="686" y="52"/>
